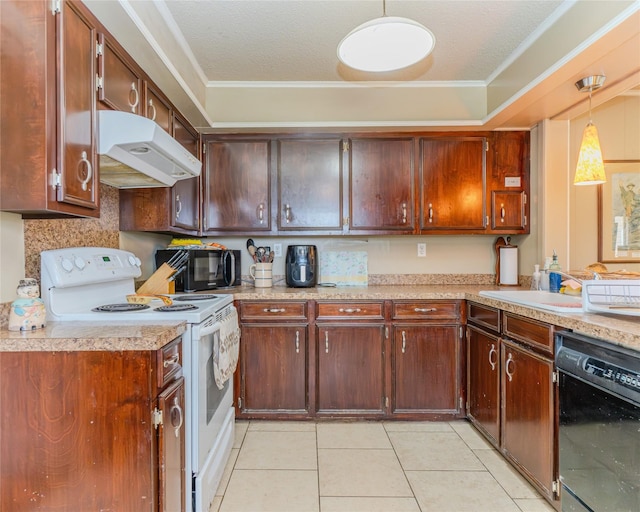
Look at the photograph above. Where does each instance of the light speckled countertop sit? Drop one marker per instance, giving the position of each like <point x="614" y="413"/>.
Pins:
<point x="90" y="336"/>
<point x="617" y="329"/>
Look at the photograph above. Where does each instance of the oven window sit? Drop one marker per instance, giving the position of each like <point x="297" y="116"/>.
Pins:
<point x="599" y="447"/>
<point x="206" y="266"/>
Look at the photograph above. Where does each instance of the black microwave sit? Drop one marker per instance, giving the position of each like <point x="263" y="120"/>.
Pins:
<point x="206" y="269"/>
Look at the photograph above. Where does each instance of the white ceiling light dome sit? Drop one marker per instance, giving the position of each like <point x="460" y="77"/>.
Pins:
<point x="386" y="44"/>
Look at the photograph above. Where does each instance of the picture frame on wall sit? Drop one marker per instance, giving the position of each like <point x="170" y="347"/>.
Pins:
<point x="619" y="213"/>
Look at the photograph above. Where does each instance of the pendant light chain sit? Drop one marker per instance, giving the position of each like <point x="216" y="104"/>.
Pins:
<point x="384" y="8"/>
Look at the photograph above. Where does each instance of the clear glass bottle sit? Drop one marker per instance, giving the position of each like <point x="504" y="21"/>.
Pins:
<point x="555" y="279"/>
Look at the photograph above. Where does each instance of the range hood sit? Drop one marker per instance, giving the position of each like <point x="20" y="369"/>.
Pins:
<point x="135" y="152"/>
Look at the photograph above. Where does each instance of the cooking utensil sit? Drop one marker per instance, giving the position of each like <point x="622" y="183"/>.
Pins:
<point x="178" y="272"/>
<point x="260" y="252"/>
<point x="250" y="243"/>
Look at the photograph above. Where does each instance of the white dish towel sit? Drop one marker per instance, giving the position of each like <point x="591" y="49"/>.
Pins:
<point x="225" y="355"/>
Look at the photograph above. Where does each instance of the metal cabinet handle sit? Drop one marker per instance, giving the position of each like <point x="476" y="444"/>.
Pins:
<point x="404" y="342"/>
<point x="176" y="413"/>
<point x="287" y="213"/>
<point x="83" y="160"/>
<point x="326" y="342"/>
<point x="136" y="97"/>
<point x="349" y="310"/>
<point x="506" y="367"/>
<point x="425" y="310"/>
<point x="404" y="213"/>
<point x="261" y="212"/>
<point x="152" y="108"/>
<point x="174" y="359"/>
<point x="493" y="361"/>
<point x="503" y="212"/>
<point x="274" y="310"/>
<point x="178" y="206"/>
<point x="430" y="212"/>
<point x="297" y="342"/>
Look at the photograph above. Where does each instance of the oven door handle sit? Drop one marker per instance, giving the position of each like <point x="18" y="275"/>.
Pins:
<point x="205" y="330"/>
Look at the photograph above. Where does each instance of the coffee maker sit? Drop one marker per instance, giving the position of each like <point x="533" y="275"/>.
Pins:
<point x="301" y="266"/>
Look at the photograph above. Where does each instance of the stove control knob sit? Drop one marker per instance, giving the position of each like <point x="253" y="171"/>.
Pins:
<point x="67" y="264"/>
<point x="134" y="261"/>
<point x="80" y="263"/>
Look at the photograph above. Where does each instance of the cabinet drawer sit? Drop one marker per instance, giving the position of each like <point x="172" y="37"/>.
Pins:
<point x="485" y="316"/>
<point x="426" y="310"/>
<point x="169" y="362"/>
<point x="526" y="330"/>
<point x="268" y="310"/>
<point x="350" y="310"/>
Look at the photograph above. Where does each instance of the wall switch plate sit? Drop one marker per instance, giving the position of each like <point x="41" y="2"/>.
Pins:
<point x="277" y="250"/>
<point x="422" y="250"/>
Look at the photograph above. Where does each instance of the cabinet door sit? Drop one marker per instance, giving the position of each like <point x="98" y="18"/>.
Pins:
<point x="310" y="184"/>
<point x="77" y="108"/>
<point x="350" y="368"/>
<point x="186" y="193"/>
<point x="381" y="185"/>
<point x="120" y="82"/>
<point x="425" y="368"/>
<point x="508" y="211"/>
<point x="483" y="382"/>
<point x="452" y="184"/>
<point x="508" y="181"/>
<point x="528" y="406"/>
<point x="237" y="186"/>
<point x="158" y="108"/>
<point x="274" y="368"/>
<point x="171" y="449"/>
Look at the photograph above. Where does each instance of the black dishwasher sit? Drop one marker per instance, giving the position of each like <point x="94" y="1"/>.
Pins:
<point x="599" y="435"/>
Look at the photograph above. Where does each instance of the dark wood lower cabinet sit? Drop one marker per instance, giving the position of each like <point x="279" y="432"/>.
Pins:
<point x="77" y="432"/>
<point x="274" y="369"/>
<point x="350" y="369"/>
<point x="483" y="378"/>
<point x="528" y="414"/>
<point x="425" y="369"/>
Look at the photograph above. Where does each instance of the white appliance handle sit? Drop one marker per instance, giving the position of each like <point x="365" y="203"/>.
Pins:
<point x="204" y="329"/>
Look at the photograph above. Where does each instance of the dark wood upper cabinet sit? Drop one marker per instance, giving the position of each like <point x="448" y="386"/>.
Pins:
<point x="508" y="182"/>
<point x="381" y="185"/>
<point x="237" y="186"/>
<point x="157" y="107"/>
<point x="185" y="204"/>
<point x="452" y="184"/>
<point x="48" y="159"/>
<point x="310" y="184"/>
<point x="120" y="84"/>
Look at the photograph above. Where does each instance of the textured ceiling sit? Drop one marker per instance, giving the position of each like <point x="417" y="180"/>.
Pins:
<point x="296" y="40"/>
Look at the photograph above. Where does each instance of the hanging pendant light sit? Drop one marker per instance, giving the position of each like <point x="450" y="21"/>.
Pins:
<point x="590" y="168"/>
<point x="386" y="44"/>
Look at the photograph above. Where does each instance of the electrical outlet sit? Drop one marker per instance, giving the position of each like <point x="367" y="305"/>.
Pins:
<point x="277" y="250"/>
<point x="422" y="250"/>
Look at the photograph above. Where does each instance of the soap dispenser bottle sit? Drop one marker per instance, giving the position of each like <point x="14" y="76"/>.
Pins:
<point x="555" y="279"/>
<point x="536" y="277"/>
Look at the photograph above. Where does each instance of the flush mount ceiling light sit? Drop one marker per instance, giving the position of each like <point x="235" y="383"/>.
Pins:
<point x="590" y="168"/>
<point x="386" y="44"/>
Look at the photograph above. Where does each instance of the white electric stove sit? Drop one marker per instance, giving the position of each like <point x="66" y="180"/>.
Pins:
<point x="92" y="284"/>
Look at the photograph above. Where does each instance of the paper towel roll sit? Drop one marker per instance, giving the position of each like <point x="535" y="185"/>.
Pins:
<point x="508" y="265"/>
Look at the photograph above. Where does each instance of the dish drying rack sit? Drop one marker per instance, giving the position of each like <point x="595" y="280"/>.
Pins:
<point x="619" y="296"/>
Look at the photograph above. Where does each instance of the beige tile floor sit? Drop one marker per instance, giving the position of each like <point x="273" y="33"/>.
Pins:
<point x="369" y="467"/>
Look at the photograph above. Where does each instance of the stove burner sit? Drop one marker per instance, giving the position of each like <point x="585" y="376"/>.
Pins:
<point x="194" y="297"/>
<point x="117" y="308"/>
<point x="176" y="307"/>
